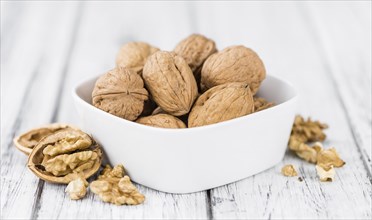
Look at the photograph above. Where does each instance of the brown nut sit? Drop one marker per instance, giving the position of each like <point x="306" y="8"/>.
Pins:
<point x="133" y="55"/>
<point x="114" y="186"/>
<point x="222" y="103"/>
<point x="233" y="64"/>
<point x="170" y="82"/>
<point x="195" y="49"/>
<point x="65" y="155"/>
<point x="162" y="121"/>
<point x="261" y="104"/>
<point x="27" y="141"/>
<point x="120" y="92"/>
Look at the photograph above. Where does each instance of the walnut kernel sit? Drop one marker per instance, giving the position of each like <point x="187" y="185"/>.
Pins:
<point x="61" y="156"/>
<point x="289" y="170"/>
<point x="115" y="187"/>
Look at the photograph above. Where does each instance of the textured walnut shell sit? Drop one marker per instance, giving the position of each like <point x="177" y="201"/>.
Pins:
<point x="27" y="141"/>
<point x="171" y="83"/>
<point x="120" y="92"/>
<point x="233" y="64"/>
<point x="133" y="55"/>
<point x="195" y="49"/>
<point x="37" y="157"/>
<point x="162" y="121"/>
<point x="222" y="103"/>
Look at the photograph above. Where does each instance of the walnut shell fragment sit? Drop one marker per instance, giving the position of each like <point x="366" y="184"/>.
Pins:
<point x="27" y="141"/>
<point x="120" y="92"/>
<point x="222" y="103"/>
<point x="65" y="155"/>
<point x="170" y="82"/>
<point x="162" y="121"/>
<point x="133" y="55"/>
<point x="114" y="186"/>
<point x="195" y="49"/>
<point x="233" y="64"/>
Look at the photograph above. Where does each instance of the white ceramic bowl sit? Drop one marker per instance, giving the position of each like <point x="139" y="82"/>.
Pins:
<point x="194" y="159"/>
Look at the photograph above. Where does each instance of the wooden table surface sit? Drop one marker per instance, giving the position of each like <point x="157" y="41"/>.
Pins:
<point x="323" y="48"/>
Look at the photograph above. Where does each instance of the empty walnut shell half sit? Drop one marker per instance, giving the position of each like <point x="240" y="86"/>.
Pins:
<point x="133" y="55"/>
<point x="27" y="141"/>
<point x="63" y="156"/>
<point x="222" y="103"/>
<point x="120" y="92"/>
<point x="162" y="121"/>
<point x="233" y="64"/>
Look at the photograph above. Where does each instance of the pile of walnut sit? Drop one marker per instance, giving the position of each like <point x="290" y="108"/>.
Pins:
<point x="304" y="132"/>
<point x="60" y="153"/>
<point x="193" y="85"/>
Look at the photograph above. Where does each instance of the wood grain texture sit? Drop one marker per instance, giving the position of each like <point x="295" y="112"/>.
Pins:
<point x="96" y="46"/>
<point x="322" y="48"/>
<point x="30" y="84"/>
<point x="269" y="194"/>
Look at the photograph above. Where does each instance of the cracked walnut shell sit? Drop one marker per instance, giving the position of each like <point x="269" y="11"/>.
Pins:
<point x="222" y="103"/>
<point x="170" y="82"/>
<point x="114" y="186"/>
<point x="162" y="121"/>
<point x="233" y="64"/>
<point x="63" y="156"/>
<point x="120" y="92"/>
<point x="27" y="141"/>
<point x="133" y="55"/>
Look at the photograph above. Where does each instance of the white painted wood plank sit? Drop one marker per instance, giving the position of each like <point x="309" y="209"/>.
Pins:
<point x="98" y="40"/>
<point x="279" y="33"/>
<point x="34" y="55"/>
<point x="349" y="58"/>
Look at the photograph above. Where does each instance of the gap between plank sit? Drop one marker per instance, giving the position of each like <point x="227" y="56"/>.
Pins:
<point x="317" y="37"/>
<point x="37" y="205"/>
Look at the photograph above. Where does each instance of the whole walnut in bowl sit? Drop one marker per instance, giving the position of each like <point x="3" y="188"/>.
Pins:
<point x="171" y="82"/>
<point x="233" y="64"/>
<point x="133" y="55"/>
<point x="120" y="92"/>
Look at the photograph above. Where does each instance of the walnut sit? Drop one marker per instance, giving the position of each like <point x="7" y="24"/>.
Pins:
<point x="120" y="92"/>
<point x="233" y="64"/>
<point x="64" y="155"/>
<point x="162" y="121"/>
<point x="133" y="55"/>
<point x="261" y="104"/>
<point x="308" y="130"/>
<point x="307" y="153"/>
<point x="27" y="141"/>
<point x="222" y="103"/>
<point x="195" y="49"/>
<point x="325" y="174"/>
<point x="77" y="189"/>
<point x="289" y="170"/>
<point x="329" y="158"/>
<point x="170" y="82"/>
<point x="115" y="187"/>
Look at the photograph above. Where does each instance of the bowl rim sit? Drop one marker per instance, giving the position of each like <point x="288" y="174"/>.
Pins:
<point x="80" y="83"/>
